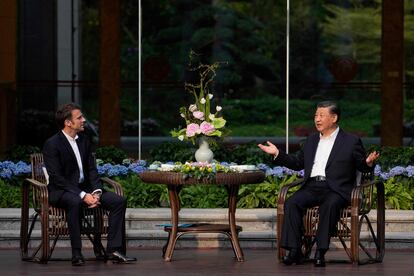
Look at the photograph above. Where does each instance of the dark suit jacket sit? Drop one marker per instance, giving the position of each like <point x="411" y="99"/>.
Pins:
<point x="347" y="156"/>
<point x="63" y="170"/>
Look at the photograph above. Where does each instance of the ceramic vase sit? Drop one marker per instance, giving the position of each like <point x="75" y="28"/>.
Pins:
<point x="204" y="153"/>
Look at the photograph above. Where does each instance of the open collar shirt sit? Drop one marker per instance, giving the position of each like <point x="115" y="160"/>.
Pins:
<point x="323" y="151"/>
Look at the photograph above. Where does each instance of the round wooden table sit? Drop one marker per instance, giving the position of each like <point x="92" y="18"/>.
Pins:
<point x="175" y="181"/>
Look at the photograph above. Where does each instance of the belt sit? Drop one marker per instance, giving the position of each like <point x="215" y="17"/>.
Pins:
<point x="318" y="178"/>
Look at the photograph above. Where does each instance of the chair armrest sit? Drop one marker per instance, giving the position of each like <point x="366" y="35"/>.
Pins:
<point x="40" y="193"/>
<point x="113" y="184"/>
<point x="362" y="196"/>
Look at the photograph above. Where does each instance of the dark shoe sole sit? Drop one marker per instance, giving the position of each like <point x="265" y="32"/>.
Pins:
<point x="78" y="264"/>
<point x="288" y="261"/>
<point x="122" y="262"/>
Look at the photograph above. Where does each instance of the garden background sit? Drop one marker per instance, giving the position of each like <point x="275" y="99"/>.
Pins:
<point x="394" y="168"/>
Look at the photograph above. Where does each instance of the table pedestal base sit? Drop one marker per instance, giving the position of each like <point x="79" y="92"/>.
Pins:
<point x="202" y="228"/>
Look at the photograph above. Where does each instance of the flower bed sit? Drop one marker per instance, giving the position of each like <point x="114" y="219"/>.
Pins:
<point x="398" y="181"/>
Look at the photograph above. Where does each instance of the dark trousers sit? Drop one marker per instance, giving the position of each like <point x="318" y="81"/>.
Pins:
<point x="115" y="204"/>
<point x="313" y="193"/>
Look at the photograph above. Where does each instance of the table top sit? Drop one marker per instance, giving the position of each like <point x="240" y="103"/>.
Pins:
<point x="178" y="178"/>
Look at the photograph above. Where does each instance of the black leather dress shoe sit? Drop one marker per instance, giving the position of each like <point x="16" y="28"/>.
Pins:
<point x="100" y="257"/>
<point x="295" y="256"/>
<point x="319" y="258"/>
<point x="78" y="260"/>
<point x="118" y="257"/>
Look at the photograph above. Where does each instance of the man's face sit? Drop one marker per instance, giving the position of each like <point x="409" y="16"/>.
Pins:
<point x="325" y="121"/>
<point x="77" y="122"/>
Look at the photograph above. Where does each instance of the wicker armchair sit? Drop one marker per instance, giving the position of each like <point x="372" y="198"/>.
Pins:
<point x="52" y="220"/>
<point x="354" y="230"/>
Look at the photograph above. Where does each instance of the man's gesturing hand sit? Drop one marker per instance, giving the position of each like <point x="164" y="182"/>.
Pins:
<point x="372" y="157"/>
<point x="270" y="148"/>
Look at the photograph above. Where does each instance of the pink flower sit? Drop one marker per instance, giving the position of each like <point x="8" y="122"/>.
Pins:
<point x="198" y="115"/>
<point x="192" y="129"/>
<point x="206" y="128"/>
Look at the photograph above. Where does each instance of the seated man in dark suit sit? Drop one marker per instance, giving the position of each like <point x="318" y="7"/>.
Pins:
<point x="74" y="182"/>
<point x="330" y="159"/>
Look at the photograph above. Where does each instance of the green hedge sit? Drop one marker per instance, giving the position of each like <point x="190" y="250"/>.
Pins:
<point x="399" y="190"/>
<point x="399" y="194"/>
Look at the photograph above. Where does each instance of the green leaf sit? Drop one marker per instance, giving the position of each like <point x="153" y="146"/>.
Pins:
<point x="219" y="122"/>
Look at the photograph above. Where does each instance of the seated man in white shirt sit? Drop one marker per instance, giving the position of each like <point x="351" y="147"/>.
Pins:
<point x="330" y="159"/>
<point x="74" y="182"/>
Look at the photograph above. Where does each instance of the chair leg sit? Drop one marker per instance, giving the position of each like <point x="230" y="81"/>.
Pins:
<point x="280" y="251"/>
<point x="25" y="242"/>
<point x="355" y="232"/>
<point x="371" y="258"/>
<point x="44" y="221"/>
<point x="52" y="248"/>
<point x="98" y="248"/>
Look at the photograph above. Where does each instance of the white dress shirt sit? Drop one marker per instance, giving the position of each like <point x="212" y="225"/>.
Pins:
<point x="322" y="153"/>
<point x="72" y="142"/>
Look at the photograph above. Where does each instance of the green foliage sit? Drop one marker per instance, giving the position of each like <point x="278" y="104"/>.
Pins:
<point x="254" y="111"/>
<point x="354" y="31"/>
<point x="399" y="193"/>
<point x="179" y="27"/>
<point x="140" y="195"/>
<point x="182" y="152"/>
<point x="259" y="196"/>
<point x="169" y="151"/>
<point x="111" y="155"/>
<point x="10" y="195"/>
<point x="21" y="153"/>
<point x="264" y="195"/>
<point x="394" y="156"/>
<point x="203" y="196"/>
<point x="263" y="116"/>
<point x="409" y="110"/>
<point x="248" y="153"/>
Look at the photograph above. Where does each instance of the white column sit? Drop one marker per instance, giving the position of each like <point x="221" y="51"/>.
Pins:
<point x="139" y="79"/>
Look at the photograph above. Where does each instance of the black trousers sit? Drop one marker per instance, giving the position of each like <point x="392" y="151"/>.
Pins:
<point x="115" y="204"/>
<point x="313" y="193"/>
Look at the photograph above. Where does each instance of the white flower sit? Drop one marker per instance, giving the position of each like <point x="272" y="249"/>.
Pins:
<point x="181" y="137"/>
<point x="203" y="101"/>
<point x="210" y="96"/>
<point x="182" y="115"/>
<point x="211" y="116"/>
<point x="218" y="108"/>
<point x="192" y="107"/>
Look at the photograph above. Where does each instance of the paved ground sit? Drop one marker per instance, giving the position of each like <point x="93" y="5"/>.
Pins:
<point x="205" y="262"/>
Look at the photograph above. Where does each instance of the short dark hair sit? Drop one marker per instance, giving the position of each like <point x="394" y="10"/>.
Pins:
<point x="64" y="112"/>
<point x="333" y="108"/>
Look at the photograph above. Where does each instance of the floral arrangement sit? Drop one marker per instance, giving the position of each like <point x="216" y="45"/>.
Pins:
<point x="201" y="118"/>
<point x="197" y="170"/>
